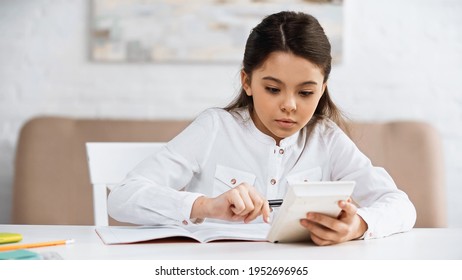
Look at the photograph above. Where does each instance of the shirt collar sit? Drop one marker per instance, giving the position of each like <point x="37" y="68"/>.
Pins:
<point x="262" y="137"/>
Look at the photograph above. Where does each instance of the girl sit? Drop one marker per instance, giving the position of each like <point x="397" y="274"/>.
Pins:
<point x="282" y="128"/>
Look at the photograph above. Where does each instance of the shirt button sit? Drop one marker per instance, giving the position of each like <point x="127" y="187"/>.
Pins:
<point x="233" y="181"/>
<point x="281" y="151"/>
<point x="185" y="222"/>
<point x="273" y="181"/>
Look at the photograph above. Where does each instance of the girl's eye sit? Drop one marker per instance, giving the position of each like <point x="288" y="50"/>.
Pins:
<point x="272" y="90"/>
<point x="305" y="93"/>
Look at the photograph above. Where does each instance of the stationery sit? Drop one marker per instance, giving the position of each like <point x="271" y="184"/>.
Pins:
<point x="8" y="237"/>
<point x="205" y="232"/>
<point x="321" y="197"/>
<point x="35" y="245"/>
<point x="275" y="202"/>
<point x="20" y="255"/>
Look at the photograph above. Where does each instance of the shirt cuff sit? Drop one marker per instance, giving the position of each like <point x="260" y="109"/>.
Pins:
<point x="186" y="208"/>
<point x="369" y="234"/>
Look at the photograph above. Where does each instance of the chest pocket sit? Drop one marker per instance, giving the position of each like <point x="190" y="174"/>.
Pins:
<point x="310" y="175"/>
<point x="227" y="178"/>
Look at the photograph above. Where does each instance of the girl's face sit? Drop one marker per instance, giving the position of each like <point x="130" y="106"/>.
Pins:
<point x="286" y="90"/>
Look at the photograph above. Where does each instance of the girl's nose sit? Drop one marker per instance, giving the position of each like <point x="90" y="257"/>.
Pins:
<point x="288" y="104"/>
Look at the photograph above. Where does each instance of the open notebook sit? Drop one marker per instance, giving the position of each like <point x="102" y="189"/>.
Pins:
<point x="205" y="232"/>
<point x="301" y="198"/>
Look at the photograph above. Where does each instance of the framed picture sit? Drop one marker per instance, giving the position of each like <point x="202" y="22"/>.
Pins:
<point x="192" y="31"/>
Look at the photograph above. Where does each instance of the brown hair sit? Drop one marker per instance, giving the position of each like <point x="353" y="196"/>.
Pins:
<point x="296" y="33"/>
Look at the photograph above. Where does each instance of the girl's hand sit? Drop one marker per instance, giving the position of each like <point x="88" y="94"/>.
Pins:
<point x="241" y="203"/>
<point x="326" y="230"/>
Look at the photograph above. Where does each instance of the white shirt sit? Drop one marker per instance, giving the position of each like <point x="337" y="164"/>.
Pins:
<point x="220" y="150"/>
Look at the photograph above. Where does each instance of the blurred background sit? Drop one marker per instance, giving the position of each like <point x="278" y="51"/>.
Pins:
<point x="400" y="60"/>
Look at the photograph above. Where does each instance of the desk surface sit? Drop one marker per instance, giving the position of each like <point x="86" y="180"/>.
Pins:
<point x="435" y="243"/>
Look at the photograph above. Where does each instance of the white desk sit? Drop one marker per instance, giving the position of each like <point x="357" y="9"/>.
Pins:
<point x="416" y="244"/>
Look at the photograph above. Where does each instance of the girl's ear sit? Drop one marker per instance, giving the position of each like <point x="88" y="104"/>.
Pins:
<point x="324" y="85"/>
<point x="245" y="81"/>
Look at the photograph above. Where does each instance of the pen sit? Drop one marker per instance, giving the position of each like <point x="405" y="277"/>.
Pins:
<point x="275" y="202"/>
<point x="35" y="245"/>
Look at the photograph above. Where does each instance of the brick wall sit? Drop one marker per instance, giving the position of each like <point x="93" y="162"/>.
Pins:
<point x="402" y="60"/>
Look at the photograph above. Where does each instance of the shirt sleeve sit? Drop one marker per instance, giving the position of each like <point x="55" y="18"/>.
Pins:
<point x="153" y="193"/>
<point x="385" y="208"/>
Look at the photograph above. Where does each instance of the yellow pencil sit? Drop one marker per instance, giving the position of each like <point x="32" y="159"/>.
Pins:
<point x="35" y="245"/>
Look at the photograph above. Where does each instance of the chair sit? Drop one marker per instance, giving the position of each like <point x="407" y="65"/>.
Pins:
<point x="412" y="153"/>
<point x="52" y="185"/>
<point x="108" y="165"/>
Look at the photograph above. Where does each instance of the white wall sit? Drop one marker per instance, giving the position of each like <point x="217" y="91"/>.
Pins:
<point x="403" y="60"/>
